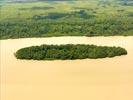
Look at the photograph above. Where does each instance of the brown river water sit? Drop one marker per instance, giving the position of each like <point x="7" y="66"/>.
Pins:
<point x="89" y="79"/>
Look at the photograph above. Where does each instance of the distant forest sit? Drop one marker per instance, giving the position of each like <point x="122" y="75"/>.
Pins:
<point x="88" y="18"/>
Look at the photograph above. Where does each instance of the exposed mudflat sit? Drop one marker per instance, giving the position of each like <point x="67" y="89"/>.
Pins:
<point x="89" y="79"/>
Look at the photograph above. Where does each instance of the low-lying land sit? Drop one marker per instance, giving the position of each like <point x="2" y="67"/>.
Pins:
<point x="66" y="18"/>
<point x="68" y="52"/>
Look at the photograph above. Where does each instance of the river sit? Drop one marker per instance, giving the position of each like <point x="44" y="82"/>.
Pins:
<point x="89" y="79"/>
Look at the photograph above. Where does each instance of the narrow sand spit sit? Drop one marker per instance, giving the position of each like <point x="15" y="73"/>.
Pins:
<point x="89" y="79"/>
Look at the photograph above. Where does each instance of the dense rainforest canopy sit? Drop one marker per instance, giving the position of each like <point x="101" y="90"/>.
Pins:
<point x="63" y="18"/>
<point x="66" y="52"/>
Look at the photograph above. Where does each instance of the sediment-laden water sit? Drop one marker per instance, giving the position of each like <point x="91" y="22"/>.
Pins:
<point x="89" y="79"/>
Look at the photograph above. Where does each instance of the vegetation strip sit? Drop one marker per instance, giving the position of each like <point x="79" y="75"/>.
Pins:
<point x="68" y="52"/>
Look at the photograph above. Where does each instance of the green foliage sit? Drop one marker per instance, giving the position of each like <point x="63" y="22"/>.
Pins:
<point x="64" y="52"/>
<point x="23" y="28"/>
<point x="63" y="18"/>
<point x="77" y="14"/>
<point x="37" y="8"/>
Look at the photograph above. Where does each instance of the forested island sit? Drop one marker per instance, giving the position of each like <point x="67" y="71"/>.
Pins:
<point x="68" y="52"/>
<point x="66" y="18"/>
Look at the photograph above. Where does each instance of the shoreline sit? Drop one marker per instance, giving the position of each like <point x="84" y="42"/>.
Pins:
<point x="65" y="36"/>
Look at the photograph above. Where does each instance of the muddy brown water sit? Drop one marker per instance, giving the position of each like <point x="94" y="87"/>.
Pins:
<point x="89" y="79"/>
